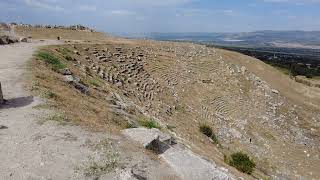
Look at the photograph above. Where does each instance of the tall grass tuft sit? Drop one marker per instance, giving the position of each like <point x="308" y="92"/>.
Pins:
<point x="52" y="60"/>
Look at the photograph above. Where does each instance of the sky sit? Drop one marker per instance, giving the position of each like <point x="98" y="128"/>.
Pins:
<point x="138" y="16"/>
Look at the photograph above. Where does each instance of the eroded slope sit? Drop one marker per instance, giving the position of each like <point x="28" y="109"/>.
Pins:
<point x="184" y="85"/>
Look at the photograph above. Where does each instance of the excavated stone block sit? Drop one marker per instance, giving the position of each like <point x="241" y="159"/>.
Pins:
<point x="152" y="139"/>
<point x="190" y="166"/>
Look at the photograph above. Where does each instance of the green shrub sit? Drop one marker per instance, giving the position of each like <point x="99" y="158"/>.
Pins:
<point x="64" y="51"/>
<point x="53" y="61"/>
<point x="206" y="130"/>
<point x="214" y="138"/>
<point x="95" y="82"/>
<point x="69" y="58"/>
<point x="51" y="95"/>
<point x="149" y="123"/>
<point x="242" y="162"/>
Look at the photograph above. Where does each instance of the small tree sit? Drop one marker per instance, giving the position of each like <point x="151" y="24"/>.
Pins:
<point x="206" y="130"/>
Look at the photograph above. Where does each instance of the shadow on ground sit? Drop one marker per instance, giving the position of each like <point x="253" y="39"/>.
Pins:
<point x="17" y="102"/>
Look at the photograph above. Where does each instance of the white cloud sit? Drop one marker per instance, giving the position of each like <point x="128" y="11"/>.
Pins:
<point x="87" y="7"/>
<point x="121" y="12"/>
<point x="44" y="4"/>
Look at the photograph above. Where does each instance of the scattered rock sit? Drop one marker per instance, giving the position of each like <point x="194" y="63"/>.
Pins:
<point x="3" y="40"/>
<point x="76" y="82"/>
<point x="139" y="172"/>
<point x="243" y="70"/>
<point x="81" y="87"/>
<point x="3" y="127"/>
<point x="207" y="81"/>
<point x="65" y="71"/>
<point x="24" y="39"/>
<point x="76" y="52"/>
<point x="12" y="40"/>
<point x="8" y="40"/>
<point x="275" y="91"/>
<point x="68" y="78"/>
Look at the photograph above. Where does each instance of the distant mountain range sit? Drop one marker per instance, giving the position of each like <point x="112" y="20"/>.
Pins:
<point x="291" y="39"/>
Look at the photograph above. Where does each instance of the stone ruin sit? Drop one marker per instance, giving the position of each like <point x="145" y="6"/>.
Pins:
<point x="121" y="67"/>
<point x="77" y="27"/>
<point x="8" y="36"/>
<point x="160" y="78"/>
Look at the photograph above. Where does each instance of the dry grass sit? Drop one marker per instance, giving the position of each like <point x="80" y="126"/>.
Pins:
<point x="89" y="111"/>
<point x="107" y="162"/>
<point x="276" y="79"/>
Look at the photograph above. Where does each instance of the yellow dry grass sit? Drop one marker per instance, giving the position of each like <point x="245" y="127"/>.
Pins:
<point x="88" y="111"/>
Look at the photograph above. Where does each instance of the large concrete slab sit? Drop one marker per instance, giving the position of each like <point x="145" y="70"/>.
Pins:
<point x="190" y="166"/>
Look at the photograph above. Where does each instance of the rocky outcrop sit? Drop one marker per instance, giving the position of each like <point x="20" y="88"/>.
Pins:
<point x="74" y="81"/>
<point x="24" y="39"/>
<point x="8" y="40"/>
<point x="184" y="162"/>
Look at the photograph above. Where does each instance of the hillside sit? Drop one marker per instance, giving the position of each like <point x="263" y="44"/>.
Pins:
<point x="250" y="106"/>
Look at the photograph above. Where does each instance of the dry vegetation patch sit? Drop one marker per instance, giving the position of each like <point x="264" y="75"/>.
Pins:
<point x="89" y="110"/>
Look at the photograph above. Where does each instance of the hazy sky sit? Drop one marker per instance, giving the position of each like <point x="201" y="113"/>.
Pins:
<point x="168" y="15"/>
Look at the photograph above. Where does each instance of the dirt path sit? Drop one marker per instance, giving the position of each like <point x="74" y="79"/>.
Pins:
<point x="30" y="150"/>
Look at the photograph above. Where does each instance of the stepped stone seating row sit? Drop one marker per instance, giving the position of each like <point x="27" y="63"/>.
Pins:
<point x="122" y="67"/>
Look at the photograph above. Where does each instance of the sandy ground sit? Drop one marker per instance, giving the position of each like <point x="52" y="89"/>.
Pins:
<point x="33" y="150"/>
